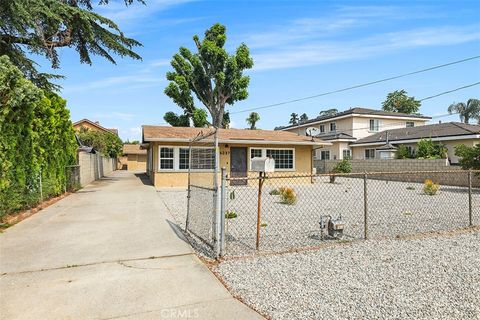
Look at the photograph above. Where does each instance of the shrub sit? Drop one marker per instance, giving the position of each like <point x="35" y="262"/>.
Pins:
<point x="403" y="152"/>
<point x="430" y="188"/>
<point x="230" y="214"/>
<point x="343" y="166"/>
<point x="288" y="196"/>
<point x="469" y="156"/>
<point x="274" y="192"/>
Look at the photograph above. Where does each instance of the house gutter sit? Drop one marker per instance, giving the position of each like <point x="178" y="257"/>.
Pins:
<point x="301" y="143"/>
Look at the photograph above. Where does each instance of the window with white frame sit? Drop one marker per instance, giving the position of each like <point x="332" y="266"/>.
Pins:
<point x="374" y="125"/>
<point x="333" y="126"/>
<point x="167" y="158"/>
<point x="369" y="153"/>
<point x="284" y="158"/>
<point x="322" y="128"/>
<point x="410" y="124"/>
<point x="347" y="154"/>
<point x="178" y="158"/>
<point x="183" y="158"/>
<point x="325" y="155"/>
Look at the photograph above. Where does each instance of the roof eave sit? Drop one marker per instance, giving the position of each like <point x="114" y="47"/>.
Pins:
<point x="246" y="141"/>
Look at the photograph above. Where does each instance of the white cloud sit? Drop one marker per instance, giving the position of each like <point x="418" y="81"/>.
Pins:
<point x="115" y="115"/>
<point x="313" y="52"/>
<point x="132" y="81"/>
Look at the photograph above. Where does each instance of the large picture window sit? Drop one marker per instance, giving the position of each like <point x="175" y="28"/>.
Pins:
<point x="178" y="158"/>
<point x="284" y="158"/>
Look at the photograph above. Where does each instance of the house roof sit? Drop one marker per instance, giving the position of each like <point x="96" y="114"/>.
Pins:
<point x="358" y="111"/>
<point x="439" y="130"/>
<point x="185" y="134"/>
<point x="97" y="125"/>
<point x="335" y="136"/>
<point x="133" y="149"/>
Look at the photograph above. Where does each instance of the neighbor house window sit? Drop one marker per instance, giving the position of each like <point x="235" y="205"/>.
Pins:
<point x="325" y="155"/>
<point x="283" y="158"/>
<point x="166" y="158"/>
<point x="369" y="153"/>
<point x="333" y="126"/>
<point x="178" y="158"/>
<point x="322" y="128"/>
<point x="347" y="154"/>
<point x="374" y="124"/>
<point x="410" y="124"/>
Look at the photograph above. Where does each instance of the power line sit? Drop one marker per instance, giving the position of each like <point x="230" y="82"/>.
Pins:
<point x="449" y="91"/>
<point x="358" y="85"/>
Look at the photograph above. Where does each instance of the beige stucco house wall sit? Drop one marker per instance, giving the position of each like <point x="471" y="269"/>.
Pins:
<point x="136" y="157"/>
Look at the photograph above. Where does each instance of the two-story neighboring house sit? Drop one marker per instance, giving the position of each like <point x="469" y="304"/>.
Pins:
<point x="348" y="126"/>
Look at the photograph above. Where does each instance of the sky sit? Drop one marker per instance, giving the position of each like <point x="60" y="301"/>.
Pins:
<point x="300" y="48"/>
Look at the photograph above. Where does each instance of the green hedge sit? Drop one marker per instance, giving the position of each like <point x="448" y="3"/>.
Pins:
<point x="36" y="138"/>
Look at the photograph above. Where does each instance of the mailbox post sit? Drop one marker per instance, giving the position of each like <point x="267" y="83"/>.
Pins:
<point x="262" y="165"/>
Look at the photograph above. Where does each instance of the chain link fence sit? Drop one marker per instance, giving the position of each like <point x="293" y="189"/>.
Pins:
<point x="282" y="212"/>
<point x="201" y="161"/>
<point x="34" y="189"/>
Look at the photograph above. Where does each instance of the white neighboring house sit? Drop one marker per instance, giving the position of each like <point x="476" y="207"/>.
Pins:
<point x="450" y="134"/>
<point x="347" y="127"/>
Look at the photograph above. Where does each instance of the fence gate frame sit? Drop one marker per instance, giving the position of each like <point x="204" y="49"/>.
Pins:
<point x="217" y="240"/>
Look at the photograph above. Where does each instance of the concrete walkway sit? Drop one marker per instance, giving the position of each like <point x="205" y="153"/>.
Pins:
<point x="110" y="251"/>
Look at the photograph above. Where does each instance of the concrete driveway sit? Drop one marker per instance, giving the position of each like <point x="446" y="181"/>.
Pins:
<point x="110" y="251"/>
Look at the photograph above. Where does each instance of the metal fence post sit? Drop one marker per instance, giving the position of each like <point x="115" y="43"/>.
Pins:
<point x="41" y="185"/>
<point x="470" y="213"/>
<point x="216" y="200"/>
<point x="365" y="206"/>
<point x="223" y="198"/>
<point x="188" y="187"/>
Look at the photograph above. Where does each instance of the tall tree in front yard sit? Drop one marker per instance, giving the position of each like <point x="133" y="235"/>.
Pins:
<point x="466" y="111"/>
<point x="215" y="77"/>
<point x="43" y="26"/>
<point x="399" y="101"/>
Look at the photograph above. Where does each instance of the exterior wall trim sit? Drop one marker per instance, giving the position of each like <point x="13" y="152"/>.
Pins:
<point x="446" y="138"/>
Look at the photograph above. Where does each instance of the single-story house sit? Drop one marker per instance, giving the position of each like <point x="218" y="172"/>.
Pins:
<point x="383" y="144"/>
<point x="168" y="152"/>
<point x="135" y="157"/>
<point x="91" y="125"/>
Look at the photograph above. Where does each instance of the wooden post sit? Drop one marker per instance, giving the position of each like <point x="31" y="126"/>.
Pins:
<point x="259" y="208"/>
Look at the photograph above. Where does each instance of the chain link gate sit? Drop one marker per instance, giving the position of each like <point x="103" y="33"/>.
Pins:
<point x="203" y="201"/>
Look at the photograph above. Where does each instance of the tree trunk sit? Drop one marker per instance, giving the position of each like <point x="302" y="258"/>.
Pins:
<point x="217" y="117"/>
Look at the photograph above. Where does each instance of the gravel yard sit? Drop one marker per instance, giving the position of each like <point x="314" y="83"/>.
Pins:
<point x="394" y="209"/>
<point x="429" y="278"/>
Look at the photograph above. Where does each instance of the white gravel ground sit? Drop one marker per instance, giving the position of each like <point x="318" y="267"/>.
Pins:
<point x="429" y="278"/>
<point x="395" y="209"/>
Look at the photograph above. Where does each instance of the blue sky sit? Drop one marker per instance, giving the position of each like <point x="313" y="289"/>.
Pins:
<point x="300" y="48"/>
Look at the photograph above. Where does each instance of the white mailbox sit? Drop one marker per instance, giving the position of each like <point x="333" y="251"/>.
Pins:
<point x="263" y="164"/>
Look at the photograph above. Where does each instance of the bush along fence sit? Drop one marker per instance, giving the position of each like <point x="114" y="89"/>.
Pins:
<point x="283" y="212"/>
<point x="34" y="189"/>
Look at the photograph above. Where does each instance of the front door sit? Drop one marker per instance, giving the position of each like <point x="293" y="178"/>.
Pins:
<point x="238" y="165"/>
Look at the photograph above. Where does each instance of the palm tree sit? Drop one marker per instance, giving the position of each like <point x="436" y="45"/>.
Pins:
<point x="293" y="118"/>
<point x="466" y="111"/>
<point x="303" y="118"/>
<point x="252" y="120"/>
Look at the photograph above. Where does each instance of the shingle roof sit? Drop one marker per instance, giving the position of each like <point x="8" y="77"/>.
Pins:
<point x="358" y="111"/>
<point x="447" y="129"/>
<point x="112" y="130"/>
<point x="334" y="136"/>
<point x="184" y="134"/>
<point x="133" y="149"/>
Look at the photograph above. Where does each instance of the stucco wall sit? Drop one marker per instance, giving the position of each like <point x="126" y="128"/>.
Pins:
<point x="137" y="162"/>
<point x="398" y="165"/>
<point x="94" y="166"/>
<point x="161" y="179"/>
